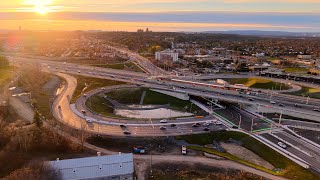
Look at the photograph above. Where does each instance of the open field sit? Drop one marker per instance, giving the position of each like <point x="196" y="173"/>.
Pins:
<point x="307" y="91"/>
<point x="288" y="168"/>
<point x="259" y="83"/>
<point x="86" y="84"/>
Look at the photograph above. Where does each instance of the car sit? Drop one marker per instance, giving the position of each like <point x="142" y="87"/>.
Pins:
<point x="272" y="102"/>
<point x="195" y="125"/>
<point x="103" y="88"/>
<point x="281" y="144"/>
<point x="318" y="110"/>
<point x="198" y="124"/>
<point x="89" y="120"/>
<point x="206" y="124"/>
<point x="184" y="149"/>
<point x="83" y="111"/>
<point x="297" y="105"/>
<point x="222" y="93"/>
<point x="251" y="99"/>
<point x="206" y="129"/>
<point x="218" y="123"/>
<point x="79" y="71"/>
<point x="281" y="105"/>
<point x="164" y="121"/>
<point x="123" y="126"/>
<point x="162" y="128"/>
<point x="203" y="90"/>
<point x="84" y="95"/>
<point x="173" y="125"/>
<point x="126" y="132"/>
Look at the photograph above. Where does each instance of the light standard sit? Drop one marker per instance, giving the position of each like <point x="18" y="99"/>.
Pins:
<point x="280" y="117"/>
<point x="240" y="120"/>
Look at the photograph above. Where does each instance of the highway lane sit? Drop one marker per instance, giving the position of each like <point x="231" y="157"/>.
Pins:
<point x="313" y="162"/>
<point x="235" y="115"/>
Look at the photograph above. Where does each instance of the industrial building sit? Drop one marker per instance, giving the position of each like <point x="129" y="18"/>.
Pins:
<point x="114" y="167"/>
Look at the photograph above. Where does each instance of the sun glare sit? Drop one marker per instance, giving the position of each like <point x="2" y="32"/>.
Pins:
<point x="39" y="6"/>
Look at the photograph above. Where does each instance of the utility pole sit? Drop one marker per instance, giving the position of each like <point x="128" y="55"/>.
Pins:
<point x="252" y="124"/>
<point x="308" y="98"/>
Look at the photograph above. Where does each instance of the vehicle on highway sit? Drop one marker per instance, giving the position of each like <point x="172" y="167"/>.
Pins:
<point x="251" y="99"/>
<point x="318" y="110"/>
<point x="281" y="105"/>
<point x="83" y="111"/>
<point x="198" y="124"/>
<point x="84" y="95"/>
<point x="206" y="124"/>
<point x="103" y="88"/>
<point x="123" y="126"/>
<point x="164" y="121"/>
<point x="272" y="102"/>
<point x="184" y="150"/>
<point x="281" y="144"/>
<point x="79" y="71"/>
<point x="139" y="150"/>
<point x="297" y="105"/>
<point x="126" y="132"/>
<point x="173" y="125"/>
<point x="206" y="129"/>
<point x="195" y="125"/>
<point x="89" y="120"/>
<point x="218" y="123"/>
<point x="163" y="128"/>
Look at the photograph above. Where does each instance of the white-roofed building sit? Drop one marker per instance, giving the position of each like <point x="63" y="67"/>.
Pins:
<point x="114" y="167"/>
<point x="161" y="55"/>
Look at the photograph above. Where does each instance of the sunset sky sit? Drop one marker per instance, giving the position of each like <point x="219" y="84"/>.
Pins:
<point x="161" y="15"/>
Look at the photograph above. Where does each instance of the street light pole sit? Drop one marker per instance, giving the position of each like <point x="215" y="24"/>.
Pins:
<point x="239" y="127"/>
<point x="280" y="117"/>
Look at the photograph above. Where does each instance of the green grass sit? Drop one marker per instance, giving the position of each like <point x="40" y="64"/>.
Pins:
<point x="99" y="105"/>
<point x="93" y="83"/>
<point x="133" y="96"/>
<point x="127" y="66"/>
<point x="290" y="169"/>
<point x="5" y="75"/>
<point x="259" y="83"/>
<point x="307" y="91"/>
<point x="232" y="158"/>
<point x="299" y="70"/>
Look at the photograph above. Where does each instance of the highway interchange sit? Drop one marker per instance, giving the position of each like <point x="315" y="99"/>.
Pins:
<point x="64" y="112"/>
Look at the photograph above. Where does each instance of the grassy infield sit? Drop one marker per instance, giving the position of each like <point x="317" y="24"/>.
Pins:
<point x="132" y="96"/>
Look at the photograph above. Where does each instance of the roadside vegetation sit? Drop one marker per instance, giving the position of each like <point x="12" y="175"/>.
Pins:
<point x="306" y="91"/>
<point x="125" y="66"/>
<point x="259" y="83"/>
<point x="299" y="70"/>
<point x="86" y="84"/>
<point x="287" y="168"/>
<point x="5" y="70"/>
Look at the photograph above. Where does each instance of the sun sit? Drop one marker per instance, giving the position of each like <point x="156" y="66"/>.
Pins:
<point x="39" y="6"/>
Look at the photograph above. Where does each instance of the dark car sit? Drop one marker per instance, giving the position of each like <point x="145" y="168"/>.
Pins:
<point x="195" y="125"/>
<point x="173" y="125"/>
<point x="206" y="129"/>
<point x="126" y="132"/>
<point x="123" y="126"/>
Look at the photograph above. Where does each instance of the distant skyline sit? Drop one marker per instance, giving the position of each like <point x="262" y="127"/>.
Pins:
<point x="162" y="15"/>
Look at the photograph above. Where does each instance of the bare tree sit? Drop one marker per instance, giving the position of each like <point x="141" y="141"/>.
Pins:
<point x="83" y="133"/>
